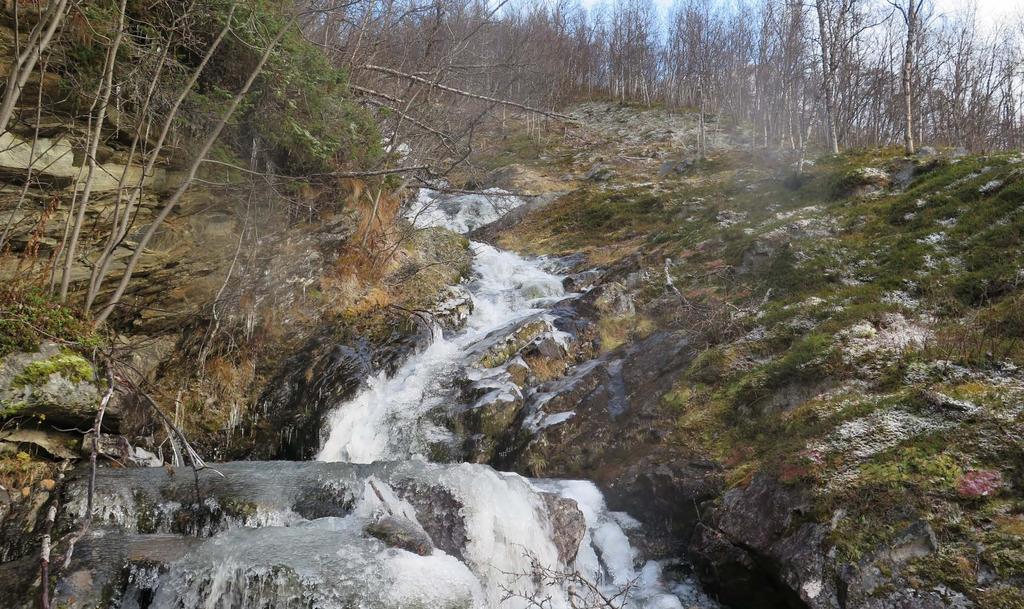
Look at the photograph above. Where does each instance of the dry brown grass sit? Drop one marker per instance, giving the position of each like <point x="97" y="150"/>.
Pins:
<point x="615" y="331"/>
<point x="546" y="369"/>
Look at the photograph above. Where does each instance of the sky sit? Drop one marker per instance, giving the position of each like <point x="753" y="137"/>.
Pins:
<point x="990" y="12"/>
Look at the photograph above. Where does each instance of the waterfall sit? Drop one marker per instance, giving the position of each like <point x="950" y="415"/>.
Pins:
<point x="389" y="420"/>
<point x="374" y="523"/>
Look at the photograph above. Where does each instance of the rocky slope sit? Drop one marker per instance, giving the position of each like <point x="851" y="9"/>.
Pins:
<point x="804" y="376"/>
<point x="810" y="379"/>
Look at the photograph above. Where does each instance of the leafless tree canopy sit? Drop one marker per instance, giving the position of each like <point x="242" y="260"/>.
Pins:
<point x="844" y="73"/>
<point x="165" y="79"/>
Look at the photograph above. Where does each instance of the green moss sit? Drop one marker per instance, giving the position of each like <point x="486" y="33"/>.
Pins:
<point x="71" y="366"/>
<point x="502" y="352"/>
<point x="710" y="366"/>
<point x="912" y="465"/>
<point x="955" y="248"/>
<point x="29" y="315"/>
<point x="239" y="509"/>
<point x="11" y="409"/>
<point x="808" y="359"/>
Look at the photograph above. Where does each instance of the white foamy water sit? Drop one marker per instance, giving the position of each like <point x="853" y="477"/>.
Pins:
<point x="507" y="527"/>
<point x="386" y="420"/>
<point x="461" y="213"/>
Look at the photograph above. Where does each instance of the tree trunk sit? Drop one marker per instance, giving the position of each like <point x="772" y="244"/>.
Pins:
<point x="106" y="88"/>
<point x="908" y="74"/>
<point x="25" y="62"/>
<point x="103" y="265"/>
<point x="827" y="78"/>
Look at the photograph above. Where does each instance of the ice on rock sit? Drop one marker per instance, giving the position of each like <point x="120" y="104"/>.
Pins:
<point x="313" y="566"/>
<point x="431" y="581"/>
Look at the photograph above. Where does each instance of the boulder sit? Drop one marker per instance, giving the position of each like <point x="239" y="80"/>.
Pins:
<point x="599" y="173"/>
<point x="760" y="255"/>
<point x="666" y="493"/>
<point x="53" y="385"/>
<point x="674" y="168"/>
<point x="758" y="535"/>
<point x="568" y="523"/>
<point x="494" y="413"/>
<point x="863" y="181"/>
<point x="401" y="533"/>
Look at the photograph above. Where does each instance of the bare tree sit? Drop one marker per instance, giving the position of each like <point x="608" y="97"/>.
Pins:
<point x="106" y="88"/>
<point x="911" y="13"/>
<point x="186" y="183"/>
<point x="25" y="61"/>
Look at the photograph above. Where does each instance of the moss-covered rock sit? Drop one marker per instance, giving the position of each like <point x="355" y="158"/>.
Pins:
<point x="52" y="385"/>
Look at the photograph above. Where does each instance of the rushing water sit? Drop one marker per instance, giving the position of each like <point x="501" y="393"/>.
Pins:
<point x="389" y="420"/>
<point x="373" y="524"/>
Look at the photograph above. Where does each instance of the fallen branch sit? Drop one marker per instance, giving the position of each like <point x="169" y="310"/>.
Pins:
<point x="494" y="100"/>
<point x="45" y="546"/>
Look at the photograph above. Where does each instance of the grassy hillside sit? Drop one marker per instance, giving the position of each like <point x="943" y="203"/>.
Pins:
<point x="860" y="328"/>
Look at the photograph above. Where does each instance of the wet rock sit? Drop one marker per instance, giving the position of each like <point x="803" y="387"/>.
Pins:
<point x="772" y="548"/>
<point x="494" y="413"/>
<point x="454" y="308"/>
<point x="489" y="232"/>
<point x="517" y="371"/>
<point x="505" y="343"/>
<point x="23" y="511"/>
<point x="579" y="282"/>
<point x="439" y="512"/>
<point x="545" y="347"/>
<point x="568" y="523"/>
<point x="401" y="533"/>
<point x="489" y="420"/>
<point x="615" y="299"/>
<point x="666" y="493"/>
<point x="118" y="448"/>
<point x="56" y="444"/>
<point x="734" y="575"/>
<point x="765" y="537"/>
<point x="326" y="371"/>
<point x="596" y="422"/>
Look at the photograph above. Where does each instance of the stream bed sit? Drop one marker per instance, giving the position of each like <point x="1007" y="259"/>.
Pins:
<point x="374" y="523"/>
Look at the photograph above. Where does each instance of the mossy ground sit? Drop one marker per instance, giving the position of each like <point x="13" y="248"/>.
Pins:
<point x="861" y="307"/>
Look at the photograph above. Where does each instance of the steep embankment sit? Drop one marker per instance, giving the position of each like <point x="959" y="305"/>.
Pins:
<point x="810" y="379"/>
<point x="271" y="290"/>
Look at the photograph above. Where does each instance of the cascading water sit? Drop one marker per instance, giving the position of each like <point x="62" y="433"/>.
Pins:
<point x="373" y="524"/>
<point x="389" y="420"/>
